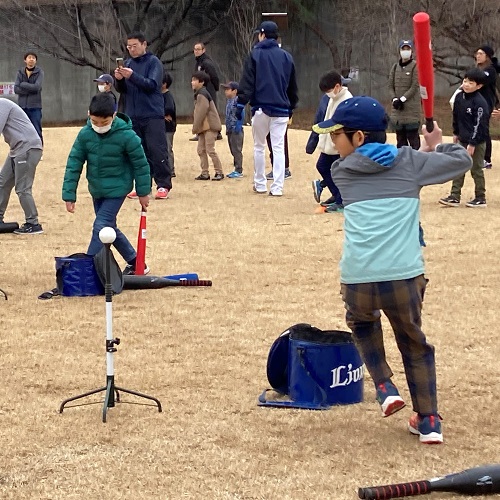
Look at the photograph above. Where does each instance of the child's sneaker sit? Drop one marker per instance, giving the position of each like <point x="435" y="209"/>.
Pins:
<point x="288" y="174"/>
<point x="130" y="270"/>
<point x="389" y="399"/>
<point x="161" y="194"/>
<point x="450" y="201"/>
<point x="269" y="176"/>
<point x="317" y="189"/>
<point x="132" y="195"/>
<point x="476" y="203"/>
<point x="235" y="175"/>
<point x="427" y="427"/>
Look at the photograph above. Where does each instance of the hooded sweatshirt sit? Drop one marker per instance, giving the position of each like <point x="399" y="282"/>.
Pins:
<point x="380" y="188"/>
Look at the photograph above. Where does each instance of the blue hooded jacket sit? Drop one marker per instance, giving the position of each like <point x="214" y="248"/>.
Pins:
<point x="268" y="80"/>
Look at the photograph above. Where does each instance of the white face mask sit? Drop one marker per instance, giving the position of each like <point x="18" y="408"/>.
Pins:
<point x="102" y="130"/>
<point x="332" y="94"/>
<point x="405" y="54"/>
<point x="102" y="88"/>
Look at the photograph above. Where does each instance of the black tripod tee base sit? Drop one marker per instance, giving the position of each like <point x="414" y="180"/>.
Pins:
<point x="112" y="391"/>
<point x="111" y="397"/>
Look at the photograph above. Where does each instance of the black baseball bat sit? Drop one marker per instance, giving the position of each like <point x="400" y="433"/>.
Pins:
<point x="132" y="282"/>
<point x="8" y="227"/>
<point x="482" y="480"/>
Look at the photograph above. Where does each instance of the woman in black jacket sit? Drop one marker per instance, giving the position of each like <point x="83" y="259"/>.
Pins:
<point x="485" y="61"/>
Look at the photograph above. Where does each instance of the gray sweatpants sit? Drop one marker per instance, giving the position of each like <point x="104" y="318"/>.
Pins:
<point x="19" y="172"/>
<point x="235" y="141"/>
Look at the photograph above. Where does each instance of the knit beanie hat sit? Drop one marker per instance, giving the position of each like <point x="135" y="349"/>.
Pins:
<point x="487" y="50"/>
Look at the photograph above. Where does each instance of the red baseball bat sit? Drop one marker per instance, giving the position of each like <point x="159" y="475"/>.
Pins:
<point x="482" y="480"/>
<point x="425" y="65"/>
<point x="140" y="262"/>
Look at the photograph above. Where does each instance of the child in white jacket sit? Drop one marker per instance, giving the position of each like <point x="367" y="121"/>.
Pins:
<point x="332" y="84"/>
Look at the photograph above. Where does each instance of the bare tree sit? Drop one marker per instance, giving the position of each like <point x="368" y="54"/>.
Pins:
<point x="92" y="32"/>
<point x="243" y="17"/>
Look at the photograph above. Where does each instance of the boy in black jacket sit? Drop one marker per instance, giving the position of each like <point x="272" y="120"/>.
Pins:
<point x="170" y="119"/>
<point x="470" y="129"/>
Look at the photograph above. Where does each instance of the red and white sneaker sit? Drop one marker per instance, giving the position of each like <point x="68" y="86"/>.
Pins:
<point x="427" y="427"/>
<point x="132" y="195"/>
<point x="161" y="194"/>
<point x="388" y="398"/>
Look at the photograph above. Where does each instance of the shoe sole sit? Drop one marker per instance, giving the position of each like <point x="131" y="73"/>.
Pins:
<point x="259" y="192"/>
<point x="275" y="195"/>
<point x="476" y="206"/>
<point x="432" y="438"/>
<point x="316" y="194"/>
<point x="23" y="234"/>
<point x="391" y="405"/>
<point x="448" y="204"/>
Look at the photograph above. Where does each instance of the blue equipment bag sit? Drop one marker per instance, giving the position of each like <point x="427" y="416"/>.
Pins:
<point x="316" y="369"/>
<point x="82" y="275"/>
<point x="76" y="276"/>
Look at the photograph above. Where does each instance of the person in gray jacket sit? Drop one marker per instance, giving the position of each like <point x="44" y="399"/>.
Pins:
<point x="405" y="94"/>
<point x="382" y="265"/>
<point x="28" y="86"/>
<point x="20" y="166"/>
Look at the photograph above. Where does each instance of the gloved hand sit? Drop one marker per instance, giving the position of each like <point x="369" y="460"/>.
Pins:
<point x="239" y="111"/>
<point x="398" y="104"/>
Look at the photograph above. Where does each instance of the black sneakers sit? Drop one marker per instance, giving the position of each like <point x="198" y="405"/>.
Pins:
<point x="202" y="177"/>
<point x="475" y="203"/>
<point x="130" y="270"/>
<point x="29" y="229"/>
<point x="218" y="176"/>
<point x="450" y="201"/>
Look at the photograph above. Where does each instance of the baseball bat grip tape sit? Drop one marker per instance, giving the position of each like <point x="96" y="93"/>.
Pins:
<point x="194" y="283"/>
<point x="395" y="490"/>
<point x="429" y="124"/>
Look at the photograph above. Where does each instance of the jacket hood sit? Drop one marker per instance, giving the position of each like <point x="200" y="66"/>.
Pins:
<point x="267" y="43"/>
<point x="372" y="158"/>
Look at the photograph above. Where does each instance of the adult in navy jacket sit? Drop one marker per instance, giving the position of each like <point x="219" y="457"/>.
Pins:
<point x="268" y="83"/>
<point x="140" y="79"/>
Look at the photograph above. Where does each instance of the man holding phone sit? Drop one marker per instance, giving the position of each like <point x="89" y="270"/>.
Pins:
<point x="140" y="78"/>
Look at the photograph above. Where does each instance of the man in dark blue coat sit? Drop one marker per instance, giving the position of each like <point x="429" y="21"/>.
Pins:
<point x="268" y="83"/>
<point x="140" y="79"/>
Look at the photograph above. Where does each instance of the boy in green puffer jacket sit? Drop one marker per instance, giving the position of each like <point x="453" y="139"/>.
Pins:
<point x="115" y="160"/>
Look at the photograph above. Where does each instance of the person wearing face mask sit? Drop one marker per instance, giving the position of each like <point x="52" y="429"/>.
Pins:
<point x="486" y="61"/>
<point x="333" y="85"/>
<point x="105" y="84"/>
<point x="405" y="94"/>
<point x="115" y="160"/>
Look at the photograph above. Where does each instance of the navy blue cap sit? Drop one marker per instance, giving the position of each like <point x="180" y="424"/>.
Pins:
<point x="402" y="43"/>
<point x="269" y="28"/>
<point x="230" y="85"/>
<point x="104" y="79"/>
<point x="357" y="113"/>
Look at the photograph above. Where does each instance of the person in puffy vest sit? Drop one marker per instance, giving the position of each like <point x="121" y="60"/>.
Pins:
<point x="405" y="95"/>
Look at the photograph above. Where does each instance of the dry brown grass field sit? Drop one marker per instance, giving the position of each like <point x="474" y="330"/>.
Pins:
<point x="203" y="351"/>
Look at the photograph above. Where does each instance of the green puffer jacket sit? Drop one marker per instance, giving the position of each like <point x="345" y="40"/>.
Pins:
<point x="403" y="81"/>
<point x="114" y="161"/>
